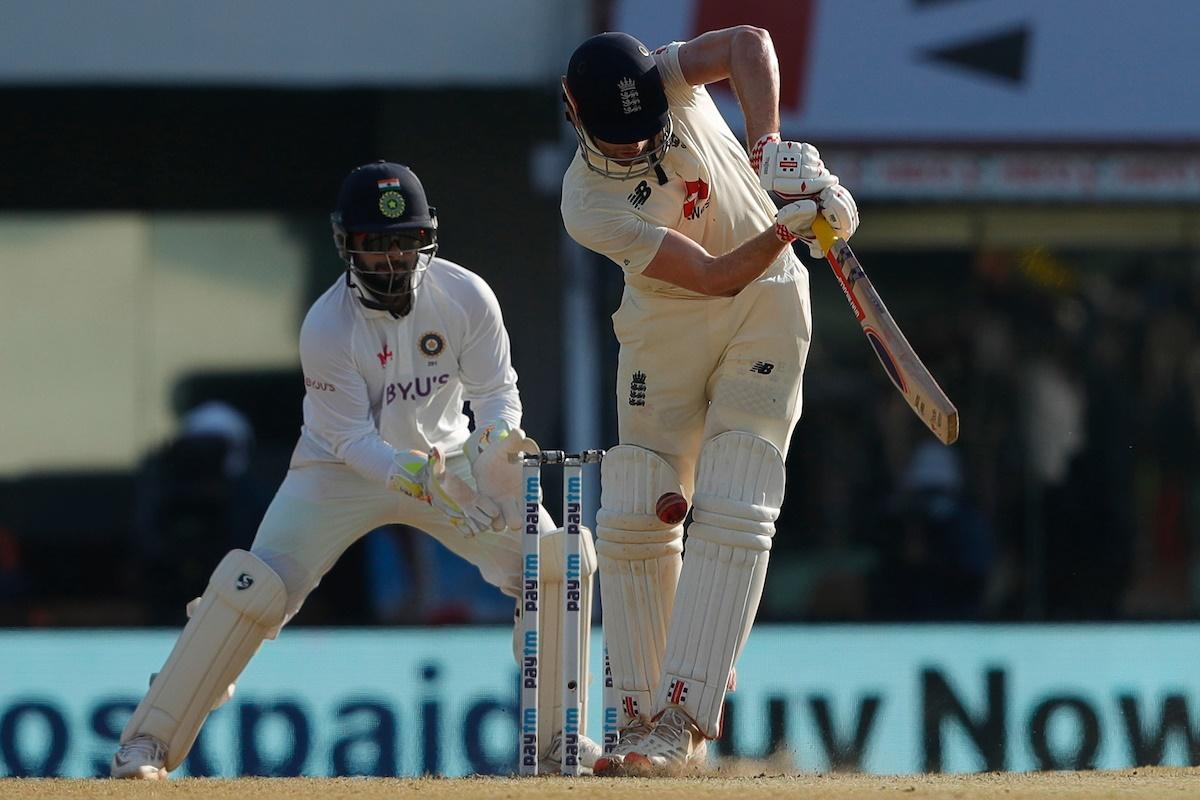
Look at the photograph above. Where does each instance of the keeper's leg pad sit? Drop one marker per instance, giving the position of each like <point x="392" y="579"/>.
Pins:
<point x="245" y="600"/>
<point x="640" y="559"/>
<point x="739" y="491"/>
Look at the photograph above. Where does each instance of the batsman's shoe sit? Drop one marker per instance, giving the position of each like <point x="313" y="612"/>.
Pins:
<point x="141" y="758"/>
<point x="675" y="743"/>
<point x="589" y="752"/>
<point x="628" y="739"/>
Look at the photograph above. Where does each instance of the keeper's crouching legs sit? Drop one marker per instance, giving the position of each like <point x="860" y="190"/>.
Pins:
<point x="245" y="603"/>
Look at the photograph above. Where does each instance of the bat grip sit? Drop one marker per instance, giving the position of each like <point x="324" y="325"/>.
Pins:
<point x="825" y="234"/>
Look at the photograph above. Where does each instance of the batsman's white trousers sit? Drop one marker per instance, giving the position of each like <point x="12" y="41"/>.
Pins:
<point x="321" y="509"/>
<point x="690" y="369"/>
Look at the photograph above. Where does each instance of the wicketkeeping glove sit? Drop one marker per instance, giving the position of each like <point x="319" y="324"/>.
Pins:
<point x="425" y="477"/>
<point x="491" y="449"/>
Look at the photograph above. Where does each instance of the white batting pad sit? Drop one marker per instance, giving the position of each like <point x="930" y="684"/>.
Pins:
<point x="244" y="601"/>
<point x="639" y="569"/>
<point x="739" y="491"/>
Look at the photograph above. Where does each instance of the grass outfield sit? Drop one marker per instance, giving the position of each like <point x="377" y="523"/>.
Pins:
<point x="1146" y="782"/>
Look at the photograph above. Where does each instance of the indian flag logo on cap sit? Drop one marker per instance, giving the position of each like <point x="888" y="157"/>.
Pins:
<point x="388" y="183"/>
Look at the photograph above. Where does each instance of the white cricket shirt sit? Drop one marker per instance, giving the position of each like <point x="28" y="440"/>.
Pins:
<point x="375" y="384"/>
<point x="712" y="196"/>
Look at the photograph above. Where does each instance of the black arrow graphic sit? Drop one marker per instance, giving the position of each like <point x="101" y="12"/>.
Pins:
<point x="999" y="55"/>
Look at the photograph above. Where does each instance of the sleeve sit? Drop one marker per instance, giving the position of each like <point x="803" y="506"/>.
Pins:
<point x="679" y="91"/>
<point x="338" y="407"/>
<point x="630" y="241"/>
<point x="485" y="364"/>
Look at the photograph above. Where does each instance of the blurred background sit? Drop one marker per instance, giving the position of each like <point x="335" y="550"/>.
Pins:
<point x="1029" y="180"/>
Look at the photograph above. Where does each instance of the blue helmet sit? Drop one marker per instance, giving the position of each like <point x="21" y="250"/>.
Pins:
<point x="614" y="94"/>
<point x="385" y="204"/>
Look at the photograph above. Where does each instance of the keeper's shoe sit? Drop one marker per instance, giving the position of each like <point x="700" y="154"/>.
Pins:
<point x="673" y="744"/>
<point x="628" y="739"/>
<point x="141" y="758"/>
<point x="551" y="763"/>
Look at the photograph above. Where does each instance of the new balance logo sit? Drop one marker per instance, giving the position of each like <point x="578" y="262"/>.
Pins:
<point x="637" y="389"/>
<point x="762" y="367"/>
<point x="639" y="195"/>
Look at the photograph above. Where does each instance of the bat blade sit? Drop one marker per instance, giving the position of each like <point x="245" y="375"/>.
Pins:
<point x="906" y="371"/>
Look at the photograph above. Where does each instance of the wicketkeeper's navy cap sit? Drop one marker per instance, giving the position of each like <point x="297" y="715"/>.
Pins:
<point x="383" y="196"/>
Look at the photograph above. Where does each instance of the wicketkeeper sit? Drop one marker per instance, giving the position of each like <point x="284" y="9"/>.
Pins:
<point x="389" y="353"/>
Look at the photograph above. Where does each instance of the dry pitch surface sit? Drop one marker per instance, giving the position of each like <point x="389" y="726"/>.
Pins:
<point x="1145" y="782"/>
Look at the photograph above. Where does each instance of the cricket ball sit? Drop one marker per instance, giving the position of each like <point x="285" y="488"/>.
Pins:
<point x="671" y="508"/>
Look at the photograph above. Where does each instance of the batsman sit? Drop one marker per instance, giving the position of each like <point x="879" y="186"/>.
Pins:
<point x="389" y="352"/>
<point x="714" y="328"/>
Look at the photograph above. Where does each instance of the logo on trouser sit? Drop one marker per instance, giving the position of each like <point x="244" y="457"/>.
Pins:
<point x="677" y="692"/>
<point x="637" y="389"/>
<point x="244" y="581"/>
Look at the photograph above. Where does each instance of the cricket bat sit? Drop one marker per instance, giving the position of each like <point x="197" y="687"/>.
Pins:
<point x="899" y="360"/>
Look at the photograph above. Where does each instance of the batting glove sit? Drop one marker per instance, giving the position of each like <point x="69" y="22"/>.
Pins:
<point x="792" y="170"/>
<point x="794" y="221"/>
<point x="836" y="205"/>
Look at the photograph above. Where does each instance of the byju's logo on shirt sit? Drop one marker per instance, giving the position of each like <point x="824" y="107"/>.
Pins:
<point x="421" y="386"/>
<point x="384" y="355"/>
<point x="319" y="386"/>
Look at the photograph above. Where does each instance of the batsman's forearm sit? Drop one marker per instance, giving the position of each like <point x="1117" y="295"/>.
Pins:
<point x="729" y="274"/>
<point x="754" y="74"/>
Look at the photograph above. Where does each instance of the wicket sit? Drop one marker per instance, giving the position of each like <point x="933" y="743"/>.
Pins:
<point x="573" y="627"/>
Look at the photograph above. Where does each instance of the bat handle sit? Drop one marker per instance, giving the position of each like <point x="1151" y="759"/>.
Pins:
<point x="824" y="232"/>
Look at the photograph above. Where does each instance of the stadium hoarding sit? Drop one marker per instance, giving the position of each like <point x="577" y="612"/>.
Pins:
<point x="1018" y="71"/>
<point x="881" y="699"/>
